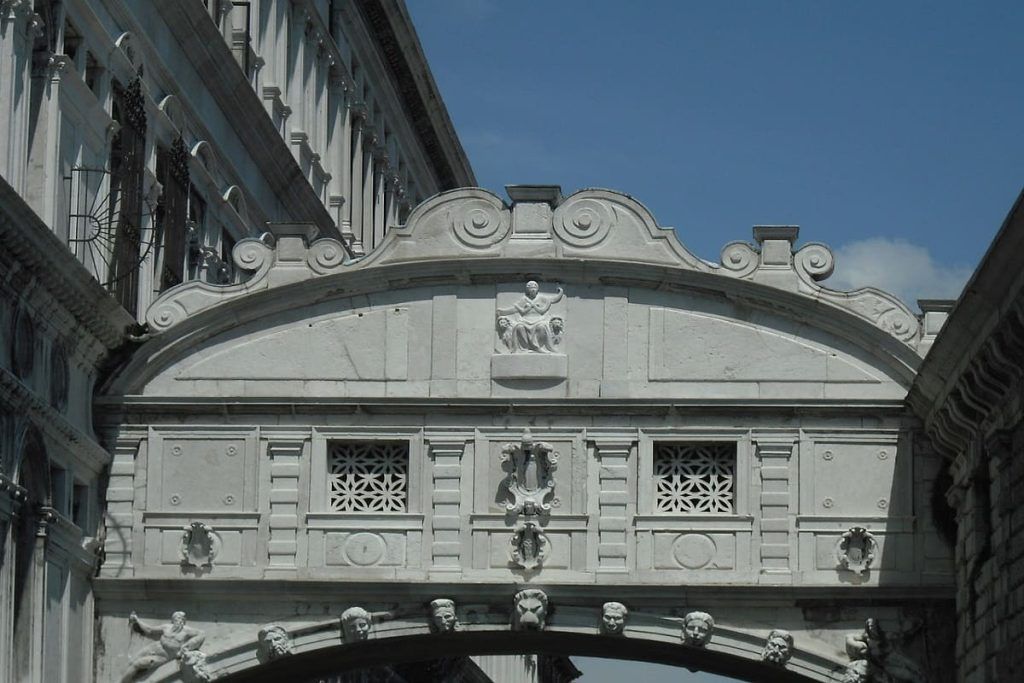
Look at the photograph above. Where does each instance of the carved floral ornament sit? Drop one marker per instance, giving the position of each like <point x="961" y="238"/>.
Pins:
<point x="592" y="224"/>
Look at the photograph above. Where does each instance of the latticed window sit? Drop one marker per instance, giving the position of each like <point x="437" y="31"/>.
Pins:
<point x="694" y="477"/>
<point x="368" y="476"/>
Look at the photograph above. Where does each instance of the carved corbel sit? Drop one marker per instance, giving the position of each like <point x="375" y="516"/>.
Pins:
<point x="530" y="611"/>
<point x="273" y="642"/>
<point x="778" y="647"/>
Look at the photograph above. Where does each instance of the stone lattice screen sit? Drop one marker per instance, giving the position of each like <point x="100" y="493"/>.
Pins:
<point x="694" y="477"/>
<point x="367" y="476"/>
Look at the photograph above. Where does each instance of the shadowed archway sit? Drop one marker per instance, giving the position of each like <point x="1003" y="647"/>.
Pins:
<point x="343" y="658"/>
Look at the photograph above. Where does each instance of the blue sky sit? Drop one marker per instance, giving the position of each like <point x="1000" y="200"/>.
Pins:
<point x="893" y="132"/>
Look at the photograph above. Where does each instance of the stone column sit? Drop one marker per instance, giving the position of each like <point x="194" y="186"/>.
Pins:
<point x="355" y="197"/>
<point x="345" y="164"/>
<point x="446" y="451"/>
<point x="51" y="199"/>
<point x="331" y="159"/>
<point x="295" y="82"/>
<point x="390" y="202"/>
<point x="130" y="450"/>
<point x="366" y="221"/>
<point x="777" y="500"/>
<point x="12" y="497"/>
<point x="285" y="466"/>
<point x="18" y="28"/>
<point x="616" y="505"/>
<point x="379" y="197"/>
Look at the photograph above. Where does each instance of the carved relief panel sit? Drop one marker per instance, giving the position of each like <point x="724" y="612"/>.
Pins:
<point x="694" y="510"/>
<point x="529" y="501"/>
<point x="201" y="499"/>
<point x="368" y="500"/>
<point x="855" y="506"/>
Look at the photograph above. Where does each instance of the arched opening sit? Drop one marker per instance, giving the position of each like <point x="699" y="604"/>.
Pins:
<point x="418" y="656"/>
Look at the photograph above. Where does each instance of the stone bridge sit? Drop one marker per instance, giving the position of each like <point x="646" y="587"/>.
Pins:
<point x="537" y="427"/>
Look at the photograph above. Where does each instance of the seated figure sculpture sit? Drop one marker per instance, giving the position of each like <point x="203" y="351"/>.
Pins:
<point x="527" y="326"/>
<point x="175" y="639"/>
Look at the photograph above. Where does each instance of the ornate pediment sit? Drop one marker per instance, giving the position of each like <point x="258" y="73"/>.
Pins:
<point x="476" y="227"/>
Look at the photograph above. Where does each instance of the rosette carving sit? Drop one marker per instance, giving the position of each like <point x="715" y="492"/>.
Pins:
<point x="325" y="255"/>
<point x="740" y="258"/>
<point x="815" y="260"/>
<point x="480" y="222"/>
<point x="583" y="222"/>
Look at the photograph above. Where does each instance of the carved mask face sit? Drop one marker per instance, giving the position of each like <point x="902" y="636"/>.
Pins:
<point x="776" y="650"/>
<point x="444" y="619"/>
<point x="613" y="619"/>
<point x="277" y="643"/>
<point x="697" y="631"/>
<point x="356" y="628"/>
<point x="531" y="613"/>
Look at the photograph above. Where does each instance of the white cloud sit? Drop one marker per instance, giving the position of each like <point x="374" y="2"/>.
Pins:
<point x="896" y="266"/>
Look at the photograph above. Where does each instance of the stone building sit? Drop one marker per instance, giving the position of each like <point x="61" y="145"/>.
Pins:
<point x="969" y="394"/>
<point x="280" y="402"/>
<point x="139" y="142"/>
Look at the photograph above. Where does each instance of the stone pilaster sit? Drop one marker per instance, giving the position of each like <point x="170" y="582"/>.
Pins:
<point x="120" y="515"/>
<point x="285" y="467"/>
<point x="776" y="501"/>
<point x="446" y="453"/>
<point x="616" y="505"/>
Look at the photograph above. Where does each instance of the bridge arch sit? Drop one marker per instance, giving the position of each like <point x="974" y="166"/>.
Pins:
<point x="319" y="652"/>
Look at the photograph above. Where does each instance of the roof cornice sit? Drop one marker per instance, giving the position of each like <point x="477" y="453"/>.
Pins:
<point x="401" y="51"/>
<point x="975" y="360"/>
<point x="43" y="256"/>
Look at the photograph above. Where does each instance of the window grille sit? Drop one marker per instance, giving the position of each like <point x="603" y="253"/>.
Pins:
<point x="172" y="210"/>
<point x="694" y="477"/>
<point x="127" y="169"/>
<point x="367" y="476"/>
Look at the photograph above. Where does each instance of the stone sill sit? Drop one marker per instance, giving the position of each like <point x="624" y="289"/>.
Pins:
<point x="361" y="521"/>
<point x="693" y="522"/>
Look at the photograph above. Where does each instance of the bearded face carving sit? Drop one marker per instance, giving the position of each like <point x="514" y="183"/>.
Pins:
<point x="531" y="610"/>
<point x="778" y="648"/>
<point x="273" y="643"/>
